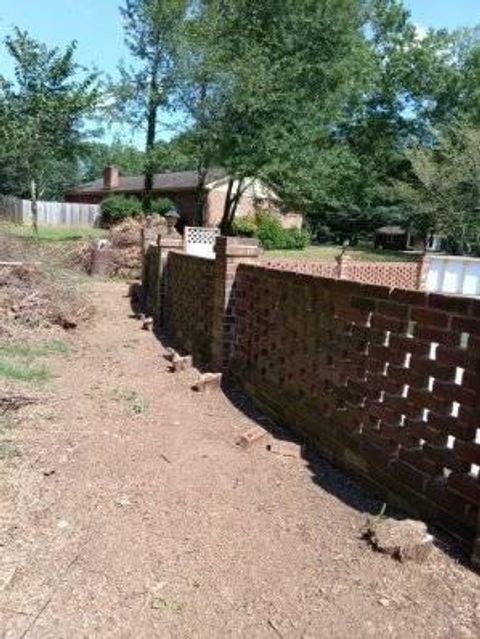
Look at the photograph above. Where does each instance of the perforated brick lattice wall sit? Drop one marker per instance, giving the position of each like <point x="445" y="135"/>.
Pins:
<point x="385" y="382"/>
<point x="394" y="274"/>
<point x="189" y="299"/>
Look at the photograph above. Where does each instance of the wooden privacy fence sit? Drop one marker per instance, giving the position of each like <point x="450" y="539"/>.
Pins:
<point x="19" y="211"/>
<point x="384" y="382"/>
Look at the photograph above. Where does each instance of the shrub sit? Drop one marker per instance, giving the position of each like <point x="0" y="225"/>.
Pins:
<point x="117" y="208"/>
<point x="161" y="206"/>
<point x="245" y="226"/>
<point x="270" y="232"/>
<point x="297" y="239"/>
<point x="273" y="236"/>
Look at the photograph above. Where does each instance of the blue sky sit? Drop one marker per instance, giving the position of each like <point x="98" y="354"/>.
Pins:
<point x="96" y="24"/>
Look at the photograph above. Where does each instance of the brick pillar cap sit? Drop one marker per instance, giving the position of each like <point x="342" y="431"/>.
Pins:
<point x="169" y="241"/>
<point x="237" y="246"/>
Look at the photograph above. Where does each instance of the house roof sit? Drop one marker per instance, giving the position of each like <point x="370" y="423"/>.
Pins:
<point x="168" y="182"/>
<point x="391" y="230"/>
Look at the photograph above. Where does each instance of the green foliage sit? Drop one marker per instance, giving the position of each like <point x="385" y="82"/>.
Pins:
<point x="41" y="117"/>
<point x="245" y="226"/>
<point x="161" y="205"/>
<point x="116" y="208"/>
<point x="444" y="194"/>
<point x="297" y="239"/>
<point x="270" y="232"/>
<point x="95" y="156"/>
<point x="272" y="236"/>
<point x="151" y="33"/>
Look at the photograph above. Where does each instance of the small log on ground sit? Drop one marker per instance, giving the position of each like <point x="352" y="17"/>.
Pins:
<point x="208" y="382"/>
<point x="404" y="540"/>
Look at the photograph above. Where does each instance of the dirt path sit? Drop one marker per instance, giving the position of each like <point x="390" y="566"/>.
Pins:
<point x="154" y="524"/>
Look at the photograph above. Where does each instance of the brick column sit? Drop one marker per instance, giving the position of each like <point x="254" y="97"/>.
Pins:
<point x="230" y="253"/>
<point x="165" y="244"/>
<point x="148" y="238"/>
<point x="423" y="268"/>
<point x="343" y="266"/>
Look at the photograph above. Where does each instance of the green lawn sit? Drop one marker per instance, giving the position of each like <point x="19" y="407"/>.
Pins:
<point x="329" y="253"/>
<point x="54" y="233"/>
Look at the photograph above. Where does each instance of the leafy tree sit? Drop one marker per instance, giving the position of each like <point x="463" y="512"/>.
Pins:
<point x="151" y="28"/>
<point x="95" y="156"/>
<point x="444" y="193"/>
<point x="457" y="94"/>
<point x="42" y="112"/>
<point x="276" y="86"/>
<point x="408" y="69"/>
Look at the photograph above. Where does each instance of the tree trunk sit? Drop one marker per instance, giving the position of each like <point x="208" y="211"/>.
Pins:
<point x="152" y="111"/>
<point x="235" y="202"/>
<point x="225" y="226"/>
<point x="232" y="201"/>
<point x="202" y="168"/>
<point x="200" y="196"/>
<point x="33" y="197"/>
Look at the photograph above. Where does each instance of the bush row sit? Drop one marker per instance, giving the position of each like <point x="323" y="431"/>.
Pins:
<point x="117" y="208"/>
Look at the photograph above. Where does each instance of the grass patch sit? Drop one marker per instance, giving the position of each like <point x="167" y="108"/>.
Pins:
<point x="31" y="351"/>
<point x="135" y="402"/>
<point x="24" y="372"/>
<point x="55" y="233"/>
<point x="18" y="360"/>
<point x="329" y="253"/>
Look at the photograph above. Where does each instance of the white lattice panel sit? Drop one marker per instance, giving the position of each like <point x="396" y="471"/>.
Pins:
<point x="200" y="241"/>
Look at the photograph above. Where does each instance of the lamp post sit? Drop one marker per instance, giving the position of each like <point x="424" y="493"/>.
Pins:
<point x="172" y="218"/>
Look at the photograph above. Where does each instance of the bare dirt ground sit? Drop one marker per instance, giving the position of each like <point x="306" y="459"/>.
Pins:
<point x="132" y="513"/>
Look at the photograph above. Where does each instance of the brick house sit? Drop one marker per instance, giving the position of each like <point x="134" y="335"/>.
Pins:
<point x="181" y="188"/>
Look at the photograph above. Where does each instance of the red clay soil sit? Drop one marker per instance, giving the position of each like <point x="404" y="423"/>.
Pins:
<point x="132" y="513"/>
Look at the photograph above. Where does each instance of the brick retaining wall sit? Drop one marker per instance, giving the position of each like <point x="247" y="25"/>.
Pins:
<point x="385" y="383"/>
<point x="189" y="300"/>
